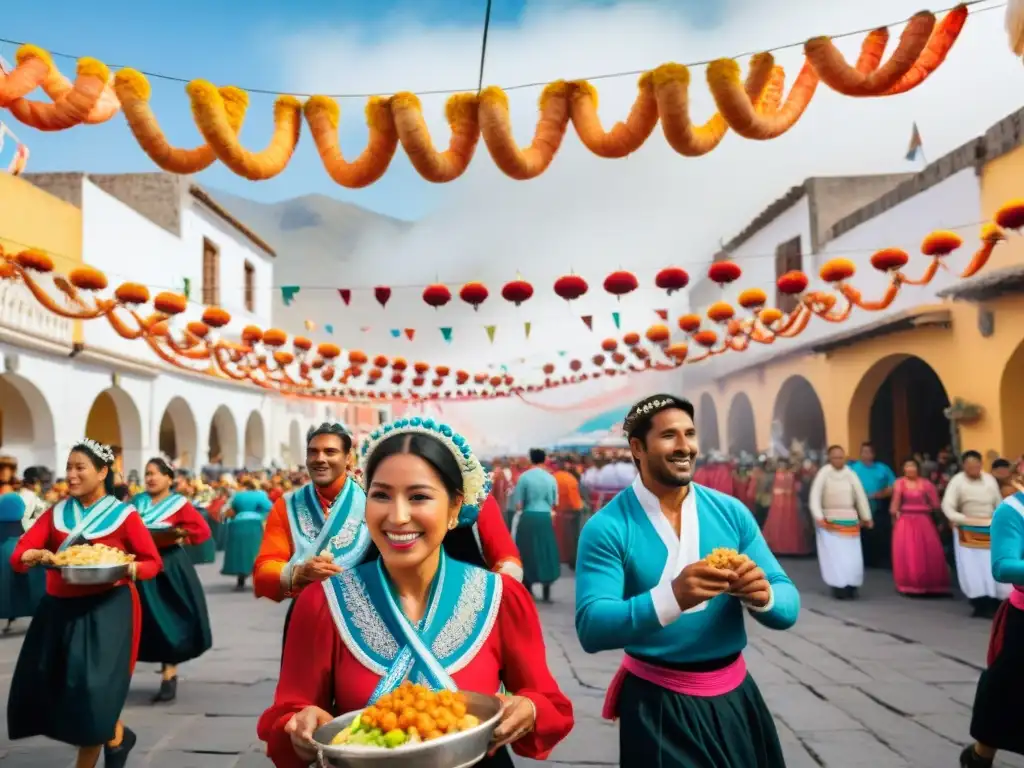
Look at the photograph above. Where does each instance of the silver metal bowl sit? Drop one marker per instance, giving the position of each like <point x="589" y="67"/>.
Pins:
<point x="91" y="575"/>
<point x="456" y="750"/>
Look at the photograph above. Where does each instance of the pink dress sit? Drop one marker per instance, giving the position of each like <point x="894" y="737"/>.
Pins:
<point x="918" y="562"/>
<point x="785" y="529"/>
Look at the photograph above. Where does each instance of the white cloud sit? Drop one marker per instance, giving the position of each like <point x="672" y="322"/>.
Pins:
<point x="648" y="211"/>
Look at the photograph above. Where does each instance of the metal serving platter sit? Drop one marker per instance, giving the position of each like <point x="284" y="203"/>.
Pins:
<point x="456" y="750"/>
<point x="91" y="575"/>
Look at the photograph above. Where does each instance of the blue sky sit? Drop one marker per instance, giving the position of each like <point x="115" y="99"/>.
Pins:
<point x="228" y="42"/>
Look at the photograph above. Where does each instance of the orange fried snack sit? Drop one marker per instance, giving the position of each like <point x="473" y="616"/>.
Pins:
<point x="419" y="712"/>
<point x="723" y="558"/>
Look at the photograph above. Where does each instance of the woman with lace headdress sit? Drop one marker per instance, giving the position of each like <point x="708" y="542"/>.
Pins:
<point x="75" y="665"/>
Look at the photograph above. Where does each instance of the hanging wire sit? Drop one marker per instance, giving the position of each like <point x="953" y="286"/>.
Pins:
<point x="483" y="47"/>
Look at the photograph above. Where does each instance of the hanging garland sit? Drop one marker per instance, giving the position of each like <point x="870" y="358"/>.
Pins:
<point x="261" y="358"/>
<point x="753" y="108"/>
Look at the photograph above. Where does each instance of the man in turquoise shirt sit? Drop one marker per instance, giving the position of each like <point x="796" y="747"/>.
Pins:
<point x="878" y="479"/>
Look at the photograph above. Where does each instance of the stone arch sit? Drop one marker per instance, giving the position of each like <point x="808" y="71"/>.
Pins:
<point x="114" y="420"/>
<point x="1010" y="412"/>
<point x="223" y="439"/>
<point x="27" y="430"/>
<point x="741" y="428"/>
<point x="797" y="417"/>
<point x="179" y="435"/>
<point x="708" y="434"/>
<point x="255" y="441"/>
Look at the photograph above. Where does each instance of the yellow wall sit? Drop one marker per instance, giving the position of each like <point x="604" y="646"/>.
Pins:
<point x="103" y="424"/>
<point x="32" y="218"/>
<point x="984" y="371"/>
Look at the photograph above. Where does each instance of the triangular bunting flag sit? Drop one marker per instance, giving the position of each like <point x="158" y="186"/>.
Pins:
<point x="346" y="295"/>
<point x="364" y="328"/>
<point x="446" y="334"/>
<point x="288" y="293"/>
<point x="588" y="320"/>
<point x="410" y="333"/>
<point x="187" y="288"/>
<point x="662" y="313"/>
<point x="616" y="319"/>
<point x="395" y="333"/>
<point x="382" y="293"/>
<point x="490" y="331"/>
<point x="561" y="353"/>
<point x="526" y="327"/>
<point x="329" y="328"/>
<point x="310" y="325"/>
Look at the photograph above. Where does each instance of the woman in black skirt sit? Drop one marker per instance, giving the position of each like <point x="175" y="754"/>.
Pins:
<point x="72" y="676"/>
<point x="175" y="622"/>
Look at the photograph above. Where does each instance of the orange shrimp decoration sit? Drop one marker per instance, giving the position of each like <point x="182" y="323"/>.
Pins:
<point x="133" y="92"/>
<point x="73" y="107"/>
<point x="496" y="128"/>
<point x="323" y="116"/>
<point x="462" y="112"/>
<point x="57" y="86"/>
<point x="624" y="138"/>
<point x="33" y="67"/>
<point x="211" y="116"/>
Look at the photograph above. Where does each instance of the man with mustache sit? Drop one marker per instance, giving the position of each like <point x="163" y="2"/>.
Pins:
<point x="649" y="581"/>
<point x="315" y="531"/>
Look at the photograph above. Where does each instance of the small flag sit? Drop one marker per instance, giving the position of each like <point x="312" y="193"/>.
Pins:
<point x="382" y="293"/>
<point x="310" y="325"/>
<point x="662" y="313"/>
<point x="446" y="334"/>
<point x="588" y="320"/>
<point x="916" y="148"/>
<point x="561" y="353"/>
<point x="329" y="328"/>
<point x="288" y="293"/>
<point x="410" y="333"/>
<point x="395" y="333"/>
<point x="490" y="331"/>
<point x="186" y="287"/>
<point x="364" y="328"/>
<point x="616" y="319"/>
<point x="527" y="327"/>
<point x="346" y="295"/>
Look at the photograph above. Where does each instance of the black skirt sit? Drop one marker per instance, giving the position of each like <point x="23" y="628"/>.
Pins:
<point x="996" y="720"/>
<point x="74" y="669"/>
<point x="669" y="730"/>
<point x="175" y="621"/>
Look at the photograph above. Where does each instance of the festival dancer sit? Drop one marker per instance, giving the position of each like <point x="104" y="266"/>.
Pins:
<point x="249" y="510"/>
<point x="75" y="666"/>
<point x="486" y="543"/>
<point x="995" y="722"/>
<point x="175" y="621"/>
<point x="784" y="528"/>
<point x="840" y="508"/>
<point x="534" y="500"/>
<point x="415" y="613"/>
<point x="315" y="531"/>
<point x="644" y="584"/>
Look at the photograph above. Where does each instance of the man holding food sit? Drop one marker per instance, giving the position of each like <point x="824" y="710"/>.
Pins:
<point x="318" y="530"/>
<point x="665" y="571"/>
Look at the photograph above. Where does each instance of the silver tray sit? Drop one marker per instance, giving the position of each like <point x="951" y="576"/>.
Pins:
<point x="91" y="575"/>
<point x="457" y="750"/>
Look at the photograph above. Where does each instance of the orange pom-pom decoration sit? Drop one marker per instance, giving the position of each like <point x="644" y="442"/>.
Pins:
<point x="575" y="365"/>
<point x="721" y="311"/>
<point x="461" y="377"/>
<point x="283" y="357"/>
<point x="658" y="334"/>
<point x="889" y="259"/>
<point x="640" y="353"/>
<point x="397" y="378"/>
<point x="419" y="381"/>
<point x="837" y="270"/>
<point x="327" y="372"/>
<point x="374" y="374"/>
<point x="631" y="339"/>
<point x="197" y="328"/>
<point x="215" y="317"/>
<point x="570" y="287"/>
<point x="724" y="272"/>
<point x="440" y="370"/>
<point x="619" y="358"/>
<point x="421" y="367"/>
<point x="620" y="283"/>
<point x="609" y="345"/>
<point x="252" y="334"/>
<point x="792" y="283"/>
<point x="689" y="323"/>
<point x="7" y="270"/>
<point x="548" y="369"/>
<point x="381" y="361"/>
<point x="87" y="279"/>
<point x="677" y="352"/>
<point x="34" y="259"/>
<point x="672" y="279"/>
<point x="327" y="350"/>
<point x="495" y="381"/>
<point x="706" y="338"/>
<point x="357" y="357"/>
<point x="436" y="295"/>
<point x="274" y="337"/>
<point x="752" y="298"/>
<point x="941" y="243"/>
<point x="437" y="382"/>
<point x="474" y="294"/>
<point x="302" y="343"/>
<point x="1011" y="215"/>
<point x="517" y="291"/>
<point x="480" y="378"/>
<point x="132" y="293"/>
<point x="170" y="303"/>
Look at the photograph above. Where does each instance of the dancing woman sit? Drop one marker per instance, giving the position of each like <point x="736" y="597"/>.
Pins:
<point x="175" y="622"/>
<point x="73" y="672"/>
<point x="415" y="613"/>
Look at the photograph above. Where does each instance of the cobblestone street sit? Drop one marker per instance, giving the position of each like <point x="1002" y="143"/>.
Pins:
<point x="885" y="682"/>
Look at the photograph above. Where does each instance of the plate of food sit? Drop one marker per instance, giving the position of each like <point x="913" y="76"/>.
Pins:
<point x="91" y="564"/>
<point x="413" y="726"/>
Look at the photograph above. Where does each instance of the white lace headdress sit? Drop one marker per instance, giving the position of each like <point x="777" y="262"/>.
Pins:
<point x="102" y="452"/>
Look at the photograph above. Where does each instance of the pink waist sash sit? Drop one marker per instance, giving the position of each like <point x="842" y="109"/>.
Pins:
<point x="704" y="684"/>
<point x="1017" y="598"/>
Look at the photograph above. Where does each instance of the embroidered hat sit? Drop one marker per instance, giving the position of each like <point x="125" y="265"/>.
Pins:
<point x="475" y="484"/>
<point x="102" y="452"/>
<point x="645" y="410"/>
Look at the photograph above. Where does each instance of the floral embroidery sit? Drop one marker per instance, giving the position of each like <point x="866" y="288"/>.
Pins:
<point x="364" y="617"/>
<point x="347" y="534"/>
<point x="462" y="624"/>
<point x="309" y="527"/>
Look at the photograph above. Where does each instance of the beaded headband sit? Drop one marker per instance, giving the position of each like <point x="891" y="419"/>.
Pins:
<point x="648" y="407"/>
<point x="102" y="452"/>
<point x="475" y="485"/>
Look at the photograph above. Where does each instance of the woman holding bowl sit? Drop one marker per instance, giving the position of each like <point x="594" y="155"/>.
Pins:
<point x="414" y="613"/>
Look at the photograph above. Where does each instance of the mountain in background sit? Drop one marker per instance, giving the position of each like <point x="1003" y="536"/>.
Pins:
<point x="310" y="227"/>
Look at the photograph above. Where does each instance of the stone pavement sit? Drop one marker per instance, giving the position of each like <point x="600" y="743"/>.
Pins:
<point x="885" y="682"/>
